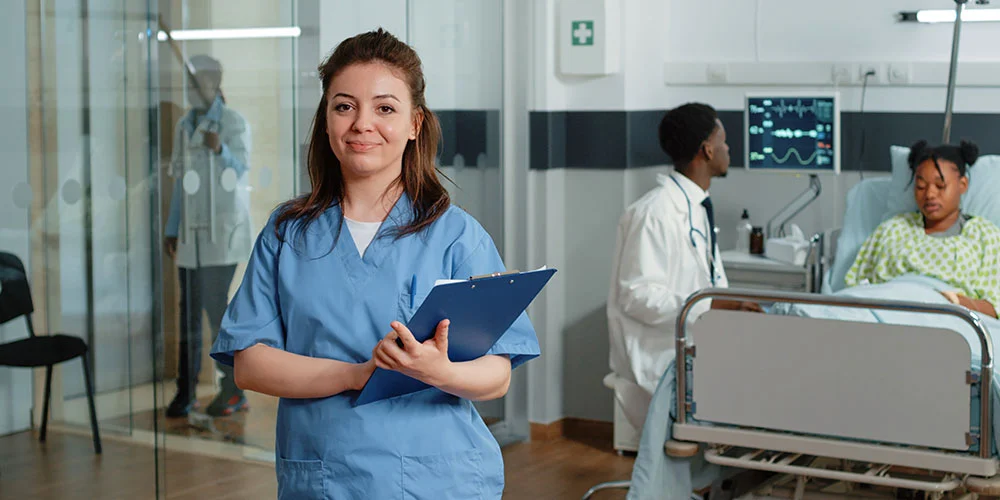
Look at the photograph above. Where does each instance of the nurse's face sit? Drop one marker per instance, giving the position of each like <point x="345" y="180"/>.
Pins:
<point x="938" y="194"/>
<point x="369" y="120"/>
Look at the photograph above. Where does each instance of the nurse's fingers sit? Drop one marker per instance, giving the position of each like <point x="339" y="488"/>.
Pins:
<point x="409" y="342"/>
<point x="393" y="351"/>
<point x="441" y="336"/>
<point x="382" y="361"/>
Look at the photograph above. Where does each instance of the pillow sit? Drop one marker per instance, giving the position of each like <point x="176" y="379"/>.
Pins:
<point x="982" y="199"/>
<point x="866" y="206"/>
<point x="899" y="197"/>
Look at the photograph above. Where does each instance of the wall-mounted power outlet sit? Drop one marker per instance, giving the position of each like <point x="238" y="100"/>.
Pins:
<point x="875" y="72"/>
<point x="844" y="74"/>
<point x="900" y="73"/>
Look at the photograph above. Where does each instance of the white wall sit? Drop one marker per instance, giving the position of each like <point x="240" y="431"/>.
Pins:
<point x="573" y="213"/>
<point x="15" y="384"/>
<point x="341" y="19"/>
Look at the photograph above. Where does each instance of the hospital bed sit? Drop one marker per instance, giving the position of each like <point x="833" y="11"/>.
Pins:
<point x="837" y="404"/>
<point x="848" y="393"/>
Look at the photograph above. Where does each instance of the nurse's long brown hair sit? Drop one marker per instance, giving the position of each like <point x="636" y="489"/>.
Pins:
<point x="419" y="179"/>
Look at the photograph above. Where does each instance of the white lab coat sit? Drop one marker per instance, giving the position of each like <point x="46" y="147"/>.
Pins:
<point x="656" y="269"/>
<point x="192" y="215"/>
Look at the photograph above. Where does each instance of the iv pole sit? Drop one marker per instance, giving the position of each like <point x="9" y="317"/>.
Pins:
<point x="952" y="71"/>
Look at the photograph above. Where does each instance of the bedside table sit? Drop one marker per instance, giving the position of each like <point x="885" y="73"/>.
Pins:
<point x="757" y="272"/>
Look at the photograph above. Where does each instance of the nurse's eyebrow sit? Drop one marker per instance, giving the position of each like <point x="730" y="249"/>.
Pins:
<point x="387" y="96"/>
<point x="341" y="94"/>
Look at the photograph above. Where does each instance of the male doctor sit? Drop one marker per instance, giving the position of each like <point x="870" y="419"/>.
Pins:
<point x="666" y="250"/>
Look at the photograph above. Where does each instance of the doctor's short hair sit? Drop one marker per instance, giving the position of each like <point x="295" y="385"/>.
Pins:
<point x="684" y="128"/>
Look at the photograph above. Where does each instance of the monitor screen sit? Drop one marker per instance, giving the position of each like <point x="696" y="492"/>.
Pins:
<point x="792" y="133"/>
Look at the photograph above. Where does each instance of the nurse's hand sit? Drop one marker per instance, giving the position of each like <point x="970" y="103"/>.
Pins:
<point x="427" y="362"/>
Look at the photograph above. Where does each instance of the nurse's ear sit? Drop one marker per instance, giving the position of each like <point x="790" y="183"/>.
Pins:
<point x="417" y="122"/>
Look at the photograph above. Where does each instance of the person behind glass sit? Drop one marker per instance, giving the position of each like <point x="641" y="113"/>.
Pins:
<point x="666" y="250"/>
<point x="332" y="280"/>
<point x="208" y="230"/>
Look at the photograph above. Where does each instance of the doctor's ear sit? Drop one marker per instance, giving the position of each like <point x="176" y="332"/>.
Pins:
<point x="706" y="149"/>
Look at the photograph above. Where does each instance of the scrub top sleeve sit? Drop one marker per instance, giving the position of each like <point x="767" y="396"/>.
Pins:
<point x="519" y="341"/>
<point x="253" y="316"/>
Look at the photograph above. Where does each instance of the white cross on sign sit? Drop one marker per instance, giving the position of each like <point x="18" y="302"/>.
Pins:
<point x="583" y="32"/>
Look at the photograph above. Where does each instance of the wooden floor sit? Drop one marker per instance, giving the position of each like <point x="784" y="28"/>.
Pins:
<point x="65" y="467"/>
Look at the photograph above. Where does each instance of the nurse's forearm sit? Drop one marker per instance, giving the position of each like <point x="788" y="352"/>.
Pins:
<point x="481" y="379"/>
<point x="275" y="372"/>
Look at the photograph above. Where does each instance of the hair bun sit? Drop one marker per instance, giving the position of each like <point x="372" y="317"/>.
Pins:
<point x="970" y="152"/>
<point x="916" y="151"/>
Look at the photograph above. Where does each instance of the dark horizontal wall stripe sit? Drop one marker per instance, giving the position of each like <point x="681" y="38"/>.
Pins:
<point x="548" y="139"/>
<point x="467" y="132"/>
<point x="592" y="140"/>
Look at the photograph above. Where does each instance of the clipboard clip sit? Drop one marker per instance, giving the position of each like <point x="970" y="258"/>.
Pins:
<point x="493" y="275"/>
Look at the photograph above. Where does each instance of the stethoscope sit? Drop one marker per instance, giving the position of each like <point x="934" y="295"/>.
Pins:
<point x="692" y="231"/>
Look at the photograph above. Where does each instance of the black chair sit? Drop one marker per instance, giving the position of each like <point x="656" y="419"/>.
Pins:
<point x="37" y="351"/>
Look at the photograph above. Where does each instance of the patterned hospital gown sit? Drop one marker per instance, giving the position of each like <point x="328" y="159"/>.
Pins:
<point x="969" y="261"/>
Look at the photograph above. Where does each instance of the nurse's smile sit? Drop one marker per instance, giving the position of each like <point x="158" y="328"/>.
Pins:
<point x="361" y="147"/>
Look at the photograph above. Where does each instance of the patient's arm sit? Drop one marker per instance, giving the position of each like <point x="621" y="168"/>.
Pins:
<point x="978" y="305"/>
<point x="735" y="305"/>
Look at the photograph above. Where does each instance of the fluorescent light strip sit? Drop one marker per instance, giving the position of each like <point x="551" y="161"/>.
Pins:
<point x="231" y="34"/>
<point x="948" y="16"/>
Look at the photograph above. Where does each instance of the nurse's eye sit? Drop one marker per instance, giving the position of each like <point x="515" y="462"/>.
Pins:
<point x="386" y="109"/>
<point x="342" y="107"/>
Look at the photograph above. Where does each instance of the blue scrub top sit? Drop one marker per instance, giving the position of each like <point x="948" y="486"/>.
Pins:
<point x="313" y="294"/>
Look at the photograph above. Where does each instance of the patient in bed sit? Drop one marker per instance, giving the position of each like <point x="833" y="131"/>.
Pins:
<point x="939" y="241"/>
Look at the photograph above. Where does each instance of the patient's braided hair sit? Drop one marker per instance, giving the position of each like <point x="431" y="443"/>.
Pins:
<point x="963" y="156"/>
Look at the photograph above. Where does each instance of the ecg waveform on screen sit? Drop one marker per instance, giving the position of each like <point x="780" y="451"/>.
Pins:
<point x="797" y="108"/>
<point x="791" y="133"/>
<point x="792" y="151"/>
<point x="787" y="133"/>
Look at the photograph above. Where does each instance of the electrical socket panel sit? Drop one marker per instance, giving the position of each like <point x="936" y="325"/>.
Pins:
<point x="900" y="73"/>
<point x="879" y="76"/>
<point x="844" y="74"/>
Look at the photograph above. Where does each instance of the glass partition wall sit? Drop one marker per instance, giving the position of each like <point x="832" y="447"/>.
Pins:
<point x="160" y="135"/>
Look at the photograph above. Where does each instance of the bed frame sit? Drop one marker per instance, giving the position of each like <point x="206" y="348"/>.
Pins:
<point x="837" y="401"/>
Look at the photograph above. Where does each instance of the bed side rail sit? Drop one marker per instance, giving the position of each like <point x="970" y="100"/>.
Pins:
<point x="761" y="296"/>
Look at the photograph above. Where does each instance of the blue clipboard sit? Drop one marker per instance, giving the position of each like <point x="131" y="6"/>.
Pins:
<point x="480" y="310"/>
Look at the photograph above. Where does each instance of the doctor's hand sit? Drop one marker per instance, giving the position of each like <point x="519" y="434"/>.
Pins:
<point x="212" y="142"/>
<point x="427" y="362"/>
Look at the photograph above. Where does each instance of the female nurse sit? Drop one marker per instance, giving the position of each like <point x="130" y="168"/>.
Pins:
<point x="336" y="274"/>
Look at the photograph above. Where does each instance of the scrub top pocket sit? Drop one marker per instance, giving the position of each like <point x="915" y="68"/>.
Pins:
<point x="405" y="312"/>
<point x="446" y="476"/>
<point x="300" y="479"/>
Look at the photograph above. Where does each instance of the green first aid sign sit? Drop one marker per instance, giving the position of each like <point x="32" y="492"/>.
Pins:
<point x="583" y="32"/>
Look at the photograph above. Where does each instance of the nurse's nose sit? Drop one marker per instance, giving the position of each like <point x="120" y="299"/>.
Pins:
<point x="364" y="120"/>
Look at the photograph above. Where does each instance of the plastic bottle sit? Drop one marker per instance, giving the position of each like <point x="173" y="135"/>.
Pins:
<point x="743" y="230"/>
